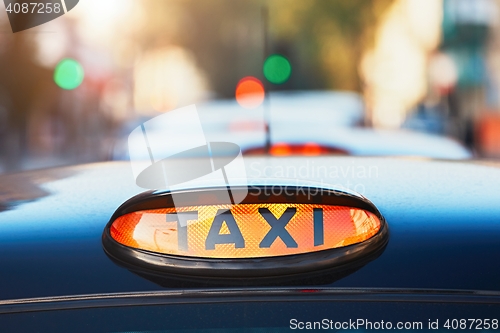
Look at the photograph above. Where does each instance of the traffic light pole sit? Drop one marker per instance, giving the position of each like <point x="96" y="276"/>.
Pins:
<point x="266" y="104"/>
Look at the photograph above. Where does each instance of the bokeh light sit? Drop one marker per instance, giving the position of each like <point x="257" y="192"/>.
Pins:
<point x="250" y="92"/>
<point x="68" y="74"/>
<point x="166" y="78"/>
<point x="277" y="69"/>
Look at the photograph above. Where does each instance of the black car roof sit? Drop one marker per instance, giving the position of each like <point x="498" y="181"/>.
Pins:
<point x="443" y="216"/>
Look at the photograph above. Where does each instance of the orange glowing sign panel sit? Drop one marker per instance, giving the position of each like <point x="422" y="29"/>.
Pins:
<point x="245" y="230"/>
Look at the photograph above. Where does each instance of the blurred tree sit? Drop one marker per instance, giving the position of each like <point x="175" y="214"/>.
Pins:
<point x="328" y="37"/>
<point x="324" y="40"/>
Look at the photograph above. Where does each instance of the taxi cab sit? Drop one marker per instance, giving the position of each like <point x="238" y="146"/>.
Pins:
<point x="347" y="244"/>
<point x="277" y="210"/>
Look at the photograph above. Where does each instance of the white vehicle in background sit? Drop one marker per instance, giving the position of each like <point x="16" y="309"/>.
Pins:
<point x="305" y="123"/>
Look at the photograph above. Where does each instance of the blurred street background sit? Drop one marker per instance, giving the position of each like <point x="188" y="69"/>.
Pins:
<point x="72" y="89"/>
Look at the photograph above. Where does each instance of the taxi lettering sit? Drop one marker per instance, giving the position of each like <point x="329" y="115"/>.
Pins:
<point x="234" y="235"/>
<point x="278" y="227"/>
<point x="215" y="237"/>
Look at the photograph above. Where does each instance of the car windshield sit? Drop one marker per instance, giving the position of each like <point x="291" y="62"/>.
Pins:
<point x="277" y="77"/>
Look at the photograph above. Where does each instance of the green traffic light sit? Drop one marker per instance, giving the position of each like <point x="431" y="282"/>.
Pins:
<point x="68" y="74"/>
<point x="277" y="69"/>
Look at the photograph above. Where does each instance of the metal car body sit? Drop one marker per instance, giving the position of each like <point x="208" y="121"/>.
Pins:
<point x="441" y="260"/>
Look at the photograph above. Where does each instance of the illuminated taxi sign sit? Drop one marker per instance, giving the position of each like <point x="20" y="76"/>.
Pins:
<point x="244" y="230"/>
<point x="200" y="234"/>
